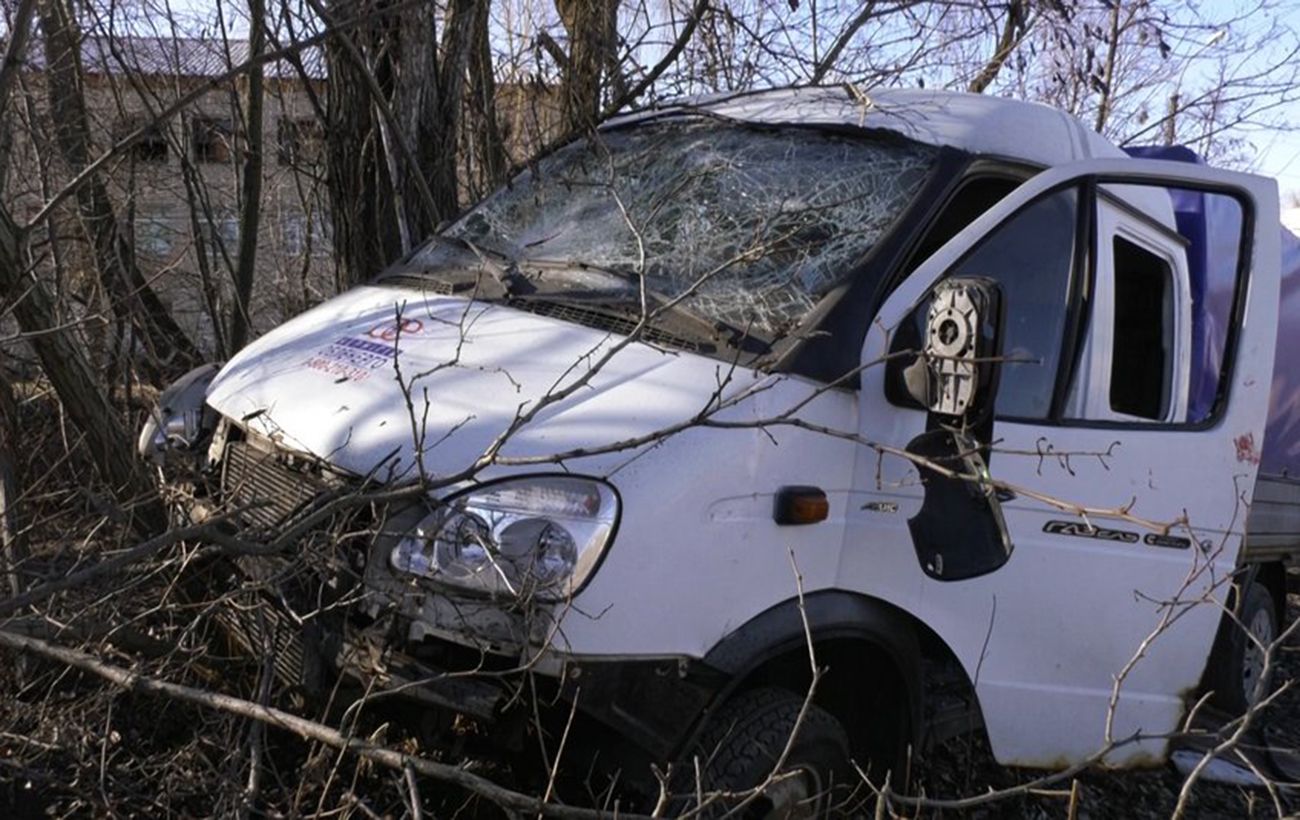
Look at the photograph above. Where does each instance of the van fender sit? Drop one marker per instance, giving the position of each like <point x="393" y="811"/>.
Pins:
<point x="830" y="614"/>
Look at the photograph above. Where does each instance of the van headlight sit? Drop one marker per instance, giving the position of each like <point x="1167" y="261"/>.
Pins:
<point x="525" y="538"/>
<point x="181" y="420"/>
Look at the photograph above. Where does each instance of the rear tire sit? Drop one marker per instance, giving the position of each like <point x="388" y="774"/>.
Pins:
<point x="1237" y="669"/>
<point x="742" y="743"/>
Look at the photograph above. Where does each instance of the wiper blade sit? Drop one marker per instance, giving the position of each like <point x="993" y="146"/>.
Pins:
<point x="501" y="266"/>
<point x="655" y="301"/>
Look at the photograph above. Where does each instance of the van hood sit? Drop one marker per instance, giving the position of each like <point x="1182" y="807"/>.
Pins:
<point x="371" y="379"/>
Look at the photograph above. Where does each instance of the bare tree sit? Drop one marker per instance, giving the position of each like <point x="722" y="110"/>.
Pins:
<point x="130" y="296"/>
<point x="251" y="205"/>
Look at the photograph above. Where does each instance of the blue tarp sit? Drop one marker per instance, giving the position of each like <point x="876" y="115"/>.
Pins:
<point x="1281" y="455"/>
<point x="1212" y="225"/>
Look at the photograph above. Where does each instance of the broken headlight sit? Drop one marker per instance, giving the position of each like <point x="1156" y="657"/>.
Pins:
<point x="181" y="420"/>
<point x="537" y="537"/>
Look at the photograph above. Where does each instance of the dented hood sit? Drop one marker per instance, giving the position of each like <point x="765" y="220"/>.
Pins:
<point x="343" y="383"/>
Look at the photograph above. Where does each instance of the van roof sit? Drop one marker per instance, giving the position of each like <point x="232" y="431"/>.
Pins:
<point x="976" y="123"/>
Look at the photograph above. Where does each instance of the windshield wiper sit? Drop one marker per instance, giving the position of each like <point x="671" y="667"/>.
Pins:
<point x="656" y="301"/>
<point x="501" y="266"/>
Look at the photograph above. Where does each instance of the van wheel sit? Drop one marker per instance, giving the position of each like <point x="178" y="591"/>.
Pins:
<point x="740" y="747"/>
<point x="1238" y="672"/>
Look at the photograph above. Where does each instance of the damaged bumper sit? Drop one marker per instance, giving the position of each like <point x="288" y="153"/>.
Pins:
<point x="650" y="703"/>
<point x="335" y="611"/>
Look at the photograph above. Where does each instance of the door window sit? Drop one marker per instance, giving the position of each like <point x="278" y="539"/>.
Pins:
<point x="1031" y="256"/>
<point x="1140" y="337"/>
<point x="1141" y="351"/>
<point x="1142" y="345"/>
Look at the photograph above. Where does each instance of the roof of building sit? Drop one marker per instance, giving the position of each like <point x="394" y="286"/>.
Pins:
<point x="976" y="123"/>
<point x="175" y="56"/>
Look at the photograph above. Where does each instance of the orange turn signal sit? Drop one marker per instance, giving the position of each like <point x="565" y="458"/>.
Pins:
<point x="801" y="505"/>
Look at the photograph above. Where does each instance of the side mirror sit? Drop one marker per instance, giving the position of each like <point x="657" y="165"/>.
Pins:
<point x="955" y="374"/>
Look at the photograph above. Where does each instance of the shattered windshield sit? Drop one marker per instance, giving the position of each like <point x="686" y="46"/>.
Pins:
<point x="754" y="225"/>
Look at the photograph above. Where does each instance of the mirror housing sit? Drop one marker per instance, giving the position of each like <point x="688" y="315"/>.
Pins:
<point x="955" y="375"/>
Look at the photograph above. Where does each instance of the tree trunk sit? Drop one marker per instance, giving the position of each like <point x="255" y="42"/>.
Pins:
<point x="10" y="63"/>
<point x="251" y="206"/>
<point x="1012" y="31"/>
<point x="83" y="397"/>
<point x="11" y="539"/>
<point x="363" y="239"/>
<point x="394" y="113"/>
<point x="489" y="145"/>
<point x="593" y="50"/>
<point x="1108" y="77"/>
<point x="131" y="297"/>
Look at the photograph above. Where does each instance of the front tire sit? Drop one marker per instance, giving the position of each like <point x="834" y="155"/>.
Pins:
<point x="742" y="743"/>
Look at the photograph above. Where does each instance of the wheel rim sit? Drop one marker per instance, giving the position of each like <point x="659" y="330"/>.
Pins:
<point x="795" y="796"/>
<point x="1252" y="668"/>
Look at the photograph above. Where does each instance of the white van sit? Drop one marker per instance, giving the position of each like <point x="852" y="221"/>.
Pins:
<point x="943" y="389"/>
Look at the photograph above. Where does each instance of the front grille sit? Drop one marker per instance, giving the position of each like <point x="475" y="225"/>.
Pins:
<point x="261" y="488"/>
<point x="260" y="630"/>
<point x="601" y="320"/>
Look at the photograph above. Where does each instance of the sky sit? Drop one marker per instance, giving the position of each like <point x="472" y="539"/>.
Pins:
<point x="1279" y="157"/>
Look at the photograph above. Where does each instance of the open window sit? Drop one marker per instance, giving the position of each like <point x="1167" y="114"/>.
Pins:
<point x="212" y="139"/>
<point x="150" y="146"/>
<point x="1136" y="342"/>
<point x="1142" y="341"/>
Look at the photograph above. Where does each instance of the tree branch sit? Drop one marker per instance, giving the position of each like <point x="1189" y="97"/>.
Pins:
<point x="309" y="729"/>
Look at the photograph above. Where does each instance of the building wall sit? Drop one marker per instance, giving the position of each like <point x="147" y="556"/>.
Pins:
<point x="178" y="191"/>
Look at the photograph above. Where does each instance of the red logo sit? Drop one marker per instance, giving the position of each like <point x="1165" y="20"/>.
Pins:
<point x="391" y="330"/>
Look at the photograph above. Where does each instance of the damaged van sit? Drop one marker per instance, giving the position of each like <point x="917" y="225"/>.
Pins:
<point x="858" y="420"/>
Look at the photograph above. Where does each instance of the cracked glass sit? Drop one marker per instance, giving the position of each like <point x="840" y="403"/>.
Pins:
<point x="751" y="226"/>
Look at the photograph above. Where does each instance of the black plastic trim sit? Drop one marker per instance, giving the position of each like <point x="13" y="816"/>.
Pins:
<point x="1082" y="296"/>
<point x="829" y="614"/>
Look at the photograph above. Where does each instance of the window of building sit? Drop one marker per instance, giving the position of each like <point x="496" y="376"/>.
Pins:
<point x="151" y="146"/>
<point x="300" y="235"/>
<point x="221" y="231"/>
<point x="301" y="141"/>
<point x="293" y="234"/>
<point x="212" y="139"/>
<point x="228" y="230"/>
<point x="1141" y="373"/>
<point x="155" y="236"/>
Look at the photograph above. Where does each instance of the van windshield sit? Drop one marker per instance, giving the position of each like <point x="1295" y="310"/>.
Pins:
<point x="754" y="224"/>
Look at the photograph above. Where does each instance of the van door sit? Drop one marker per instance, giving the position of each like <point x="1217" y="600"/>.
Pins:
<point x="1080" y="584"/>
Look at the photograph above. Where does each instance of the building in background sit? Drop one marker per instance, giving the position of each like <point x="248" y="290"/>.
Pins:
<point x="175" y="190"/>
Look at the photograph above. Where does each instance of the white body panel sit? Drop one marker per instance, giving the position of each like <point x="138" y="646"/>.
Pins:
<point x="329" y="384"/>
<point x="978" y="123"/>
